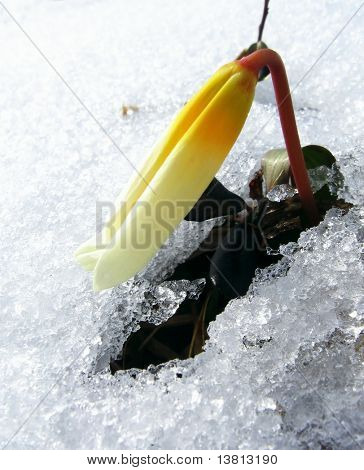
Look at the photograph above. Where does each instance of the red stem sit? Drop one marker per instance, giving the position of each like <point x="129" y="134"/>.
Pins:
<point x="256" y="61"/>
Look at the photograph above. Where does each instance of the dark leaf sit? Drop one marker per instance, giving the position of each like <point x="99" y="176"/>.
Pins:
<point x="216" y="201"/>
<point x="234" y="263"/>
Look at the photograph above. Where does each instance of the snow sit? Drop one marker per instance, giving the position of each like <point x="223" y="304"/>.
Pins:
<point x="282" y="192"/>
<point x="284" y="365"/>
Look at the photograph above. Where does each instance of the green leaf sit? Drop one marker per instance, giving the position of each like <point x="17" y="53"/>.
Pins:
<point x="315" y="156"/>
<point x="275" y="167"/>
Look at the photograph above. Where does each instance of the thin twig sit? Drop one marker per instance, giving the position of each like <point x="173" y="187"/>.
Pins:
<point x="247" y="51"/>
<point x="264" y="17"/>
<point x="200" y="323"/>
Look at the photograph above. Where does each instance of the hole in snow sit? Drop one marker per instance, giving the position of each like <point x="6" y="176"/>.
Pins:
<point x="227" y="260"/>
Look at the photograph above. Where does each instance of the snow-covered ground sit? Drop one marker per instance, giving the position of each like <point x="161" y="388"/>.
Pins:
<point x="302" y="389"/>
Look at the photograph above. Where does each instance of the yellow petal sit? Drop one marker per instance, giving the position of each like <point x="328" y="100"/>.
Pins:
<point x="179" y="180"/>
<point x="88" y="253"/>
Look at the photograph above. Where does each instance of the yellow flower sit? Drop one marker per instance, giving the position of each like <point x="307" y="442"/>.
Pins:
<point x="172" y="178"/>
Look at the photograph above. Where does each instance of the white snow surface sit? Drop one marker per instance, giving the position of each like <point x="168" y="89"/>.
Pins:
<point x="283" y="367"/>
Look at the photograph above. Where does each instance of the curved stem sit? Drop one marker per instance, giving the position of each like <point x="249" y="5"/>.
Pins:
<point x="256" y="61"/>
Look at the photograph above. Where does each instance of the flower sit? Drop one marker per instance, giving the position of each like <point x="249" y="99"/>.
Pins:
<point x="172" y="178"/>
<point x="182" y="165"/>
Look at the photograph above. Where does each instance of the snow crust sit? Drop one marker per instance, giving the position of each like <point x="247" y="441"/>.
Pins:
<point x="284" y="365"/>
